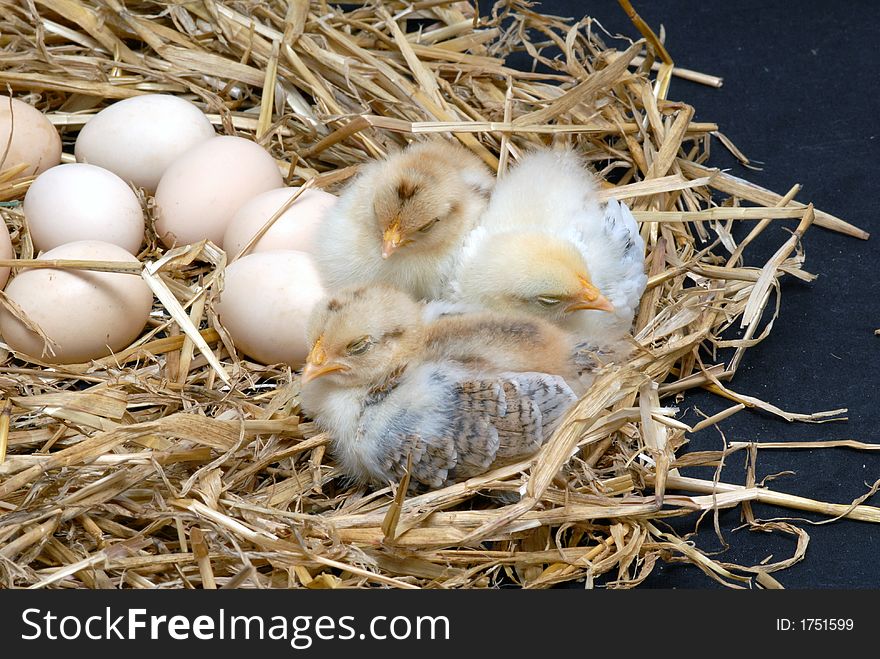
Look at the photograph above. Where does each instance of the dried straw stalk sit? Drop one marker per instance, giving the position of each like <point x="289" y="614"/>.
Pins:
<point x="175" y="463"/>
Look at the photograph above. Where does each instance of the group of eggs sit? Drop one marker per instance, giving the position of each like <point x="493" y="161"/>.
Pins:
<point x="205" y="187"/>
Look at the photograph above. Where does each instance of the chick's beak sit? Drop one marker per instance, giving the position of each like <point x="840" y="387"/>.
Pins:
<point x="392" y="238"/>
<point x="317" y="365"/>
<point x="589" y="297"/>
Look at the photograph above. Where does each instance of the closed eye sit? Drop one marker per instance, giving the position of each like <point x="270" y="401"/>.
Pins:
<point x="425" y="228"/>
<point x="359" y="346"/>
<point x="548" y="300"/>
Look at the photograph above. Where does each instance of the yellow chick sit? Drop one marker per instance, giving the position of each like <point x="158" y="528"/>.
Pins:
<point x="402" y="220"/>
<point x="389" y="386"/>
<point x="547" y="247"/>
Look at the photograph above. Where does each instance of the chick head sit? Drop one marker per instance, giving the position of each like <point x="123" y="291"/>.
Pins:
<point x="422" y="204"/>
<point x="531" y="273"/>
<point x="360" y="335"/>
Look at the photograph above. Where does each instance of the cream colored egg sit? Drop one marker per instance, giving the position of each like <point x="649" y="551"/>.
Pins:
<point x="294" y="229"/>
<point x="200" y="192"/>
<point x="83" y="202"/>
<point x="88" y="314"/>
<point x="138" y="138"/>
<point x="266" y="300"/>
<point x="5" y="251"/>
<point x="35" y="142"/>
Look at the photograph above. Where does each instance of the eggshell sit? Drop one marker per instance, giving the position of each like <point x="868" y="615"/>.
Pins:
<point x="265" y="303"/>
<point x="88" y="314"/>
<point x="83" y="202"/>
<point x="294" y="229"/>
<point x="35" y="142"/>
<point x="138" y="138"/>
<point x="200" y="192"/>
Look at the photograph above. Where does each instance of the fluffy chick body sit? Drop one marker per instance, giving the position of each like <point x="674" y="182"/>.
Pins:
<point x="496" y="342"/>
<point x="546" y="246"/>
<point x="402" y="220"/>
<point x="459" y="394"/>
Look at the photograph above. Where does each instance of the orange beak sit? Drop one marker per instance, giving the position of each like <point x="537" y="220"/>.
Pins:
<point x="589" y="297"/>
<point x="391" y="239"/>
<point x="316" y="363"/>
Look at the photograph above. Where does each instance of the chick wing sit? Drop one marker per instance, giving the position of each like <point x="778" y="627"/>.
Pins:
<point x="615" y="251"/>
<point x="454" y="424"/>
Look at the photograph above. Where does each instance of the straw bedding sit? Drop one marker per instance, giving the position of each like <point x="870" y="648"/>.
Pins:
<point x="176" y="463"/>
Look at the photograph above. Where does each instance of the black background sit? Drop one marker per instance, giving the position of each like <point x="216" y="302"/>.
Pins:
<point x="800" y="97"/>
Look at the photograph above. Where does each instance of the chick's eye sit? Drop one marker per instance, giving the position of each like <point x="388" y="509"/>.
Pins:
<point x="425" y="228"/>
<point x="547" y="300"/>
<point x="359" y="346"/>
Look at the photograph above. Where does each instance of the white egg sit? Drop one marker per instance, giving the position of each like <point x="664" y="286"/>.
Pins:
<point x="138" y="138"/>
<point x="265" y="303"/>
<point x="294" y="229"/>
<point x="88" y="314"/>
<point x="83" y="202"/>
<point x="35" y="143"/>
<point x="200" y="192"/>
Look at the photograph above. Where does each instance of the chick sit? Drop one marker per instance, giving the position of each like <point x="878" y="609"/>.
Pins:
<point x="389" y="386"/>
<point x="547" y="247"/>
<point x="402" y="220"/>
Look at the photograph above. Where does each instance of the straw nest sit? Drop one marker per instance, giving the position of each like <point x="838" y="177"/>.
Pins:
<point x="176" y="463"/>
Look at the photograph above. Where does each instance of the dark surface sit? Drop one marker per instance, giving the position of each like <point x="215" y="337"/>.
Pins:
<point x="800" y="98"/>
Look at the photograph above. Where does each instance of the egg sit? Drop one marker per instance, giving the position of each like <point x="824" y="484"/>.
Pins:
<point x="138" y="138"/>
<point x="294" y="229"/>
<point x="83" y="202"/>
<point x="88" y="314"/>
<point x="35" y="142"/>
<point x="201" y="190"/>
<point x="5" y="251"/>
<point x="265" y="303"/>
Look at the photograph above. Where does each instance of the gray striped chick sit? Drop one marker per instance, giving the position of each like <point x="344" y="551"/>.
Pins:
<point x="459" y="395"/>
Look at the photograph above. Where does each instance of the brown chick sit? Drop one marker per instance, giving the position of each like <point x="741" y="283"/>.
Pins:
<point x="492" y="341"/>
<point x="402" y="220"/>
<point x="389" y="386"/>
<point x="518" y="341"/>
